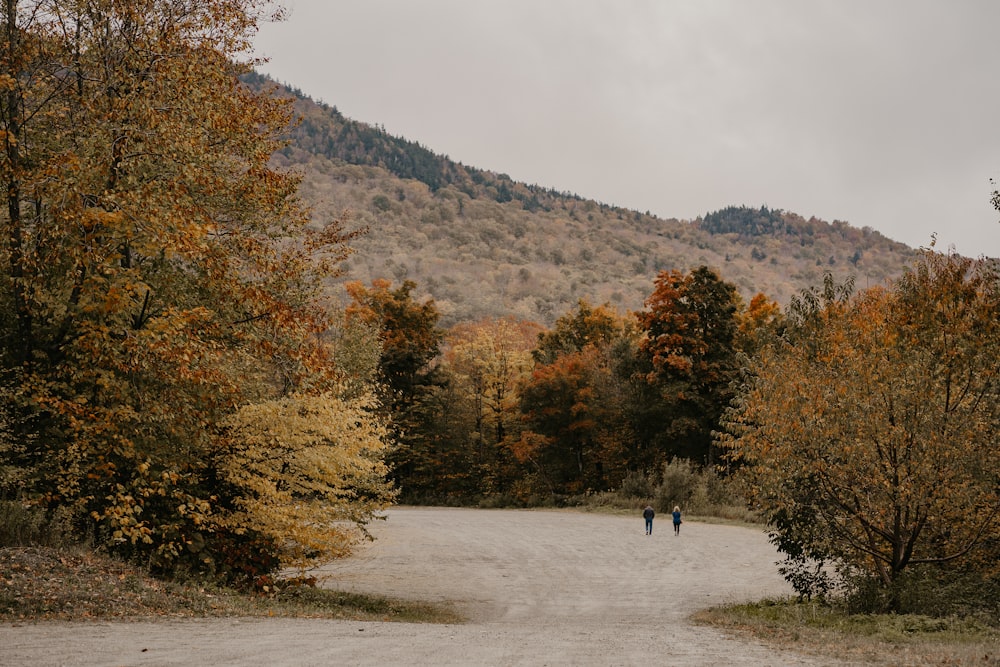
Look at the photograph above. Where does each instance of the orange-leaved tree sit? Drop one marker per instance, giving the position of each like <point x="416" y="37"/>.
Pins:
<point x="159" y="275"/>
<point x="577" y="435"/>
<point x="690" y="324"/>
<point x="565" y="418"/>
<point x="867" y="434"/>
<point x="758" y="324"/>
<point x="587" y="325"/>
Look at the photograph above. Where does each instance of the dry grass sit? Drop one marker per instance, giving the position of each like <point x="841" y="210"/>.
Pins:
<point x="882" y="639"/>
<point x="43" y="583"/>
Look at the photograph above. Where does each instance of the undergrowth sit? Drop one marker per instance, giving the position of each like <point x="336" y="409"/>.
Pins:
<point x="45" y="575"/>
<point x="47" y="583"/>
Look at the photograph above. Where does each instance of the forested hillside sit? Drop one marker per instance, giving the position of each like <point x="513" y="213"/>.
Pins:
<point x="482" y="244"/>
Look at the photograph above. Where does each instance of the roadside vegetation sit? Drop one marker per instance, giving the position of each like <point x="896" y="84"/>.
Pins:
<point x="704" y="494"/>
<point x="46" y="576"/>
<point x="822" y="628"/>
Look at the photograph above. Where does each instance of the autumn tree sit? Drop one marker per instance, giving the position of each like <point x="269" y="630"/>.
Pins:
<point x="159" y="276"/>
<point x="410" y="343"/>
<point x="299" y="458"/>
<point x="487" y="362"/>
<point x="758" y="324"/>
<point x="408" y="328"/>
<point x="564" y="424"/>
<point x="867" y="433"/>
<point x="690" y="325"/>
<point x="572" y="332"/>
<point x="575" y="433"/>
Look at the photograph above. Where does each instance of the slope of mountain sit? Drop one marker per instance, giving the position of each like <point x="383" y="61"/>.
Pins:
<point x="481" y="244"/>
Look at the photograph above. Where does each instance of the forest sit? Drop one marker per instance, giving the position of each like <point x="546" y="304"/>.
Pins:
<point x="206" y="371"/>
<point x="484" y="245"/>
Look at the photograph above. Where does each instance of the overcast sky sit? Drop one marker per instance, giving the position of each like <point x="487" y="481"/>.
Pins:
<point x="879" y="113"/>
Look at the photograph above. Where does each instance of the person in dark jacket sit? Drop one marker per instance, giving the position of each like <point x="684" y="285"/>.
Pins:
<point x="677" y="521"/>
<point x="648" y="515"/>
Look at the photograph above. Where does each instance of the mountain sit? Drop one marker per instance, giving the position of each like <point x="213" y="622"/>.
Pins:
<point x="481" y="244"/>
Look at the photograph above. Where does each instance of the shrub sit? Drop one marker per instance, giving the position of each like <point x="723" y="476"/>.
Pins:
<point x="636" y="485"/>
<point x="696" y="490"/>
<point x="931" y="591"/>
<point x="23" y="525"/>
<point x="680" y="481"/>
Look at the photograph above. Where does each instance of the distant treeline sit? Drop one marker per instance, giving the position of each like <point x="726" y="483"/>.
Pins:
<point x="322" y="129"/>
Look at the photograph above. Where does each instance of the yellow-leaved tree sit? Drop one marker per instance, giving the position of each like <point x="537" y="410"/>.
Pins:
<point x="488" y="361"/>
<point x="310" y="471"/>
<point x="159" y="276"/>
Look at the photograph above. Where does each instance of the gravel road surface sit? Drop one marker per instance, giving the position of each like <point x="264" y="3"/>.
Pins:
<point x="538" y="588"/>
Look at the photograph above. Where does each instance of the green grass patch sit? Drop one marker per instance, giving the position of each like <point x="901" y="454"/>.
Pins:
<point x="824" y="629"/>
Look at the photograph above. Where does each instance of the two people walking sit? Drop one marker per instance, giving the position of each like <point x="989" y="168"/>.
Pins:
<point x="649" y="513"/>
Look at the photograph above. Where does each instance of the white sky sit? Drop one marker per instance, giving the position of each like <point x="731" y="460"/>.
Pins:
<point x="881" y="113"/>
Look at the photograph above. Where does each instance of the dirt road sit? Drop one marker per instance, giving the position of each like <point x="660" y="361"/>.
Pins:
<point x="538" y="587"/>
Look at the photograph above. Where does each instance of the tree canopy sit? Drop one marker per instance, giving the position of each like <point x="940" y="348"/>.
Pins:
<point x="691" y="329"/>
<point x="409" y="380"/>
<point x="159" y="276"/>
<point x="867" y="435"/>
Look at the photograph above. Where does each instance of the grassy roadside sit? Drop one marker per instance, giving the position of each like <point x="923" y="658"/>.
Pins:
<point x="45" y="583"/>
<point x="877" y="639"/>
